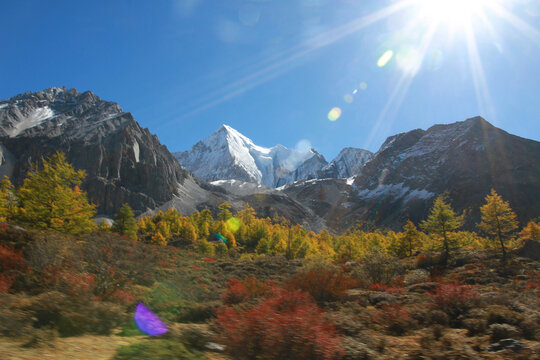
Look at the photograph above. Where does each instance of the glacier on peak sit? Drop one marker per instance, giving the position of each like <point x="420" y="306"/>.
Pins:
<point x="228" y="154"/>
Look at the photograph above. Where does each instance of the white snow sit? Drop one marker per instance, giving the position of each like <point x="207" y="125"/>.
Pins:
<point x="348" y="162"/>
<point x="36" y="118"/>
<point x="136" y="151"/>
<point x="227" y="154"/>
<point x="397" y="191"/>
<point x="4" y="105"/>
<point x="350" y="180"/>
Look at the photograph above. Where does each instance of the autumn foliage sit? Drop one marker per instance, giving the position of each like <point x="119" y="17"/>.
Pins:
<point x="323" y="283"/>
<point x="454" y="299"/>
<point x="286" y="325"/>
<point x="239" y="291"/>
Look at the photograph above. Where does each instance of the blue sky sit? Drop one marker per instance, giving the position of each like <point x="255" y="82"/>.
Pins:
<point x="274" y="69"/>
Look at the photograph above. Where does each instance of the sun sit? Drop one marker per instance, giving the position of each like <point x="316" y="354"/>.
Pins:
<point x="454" y="13"/>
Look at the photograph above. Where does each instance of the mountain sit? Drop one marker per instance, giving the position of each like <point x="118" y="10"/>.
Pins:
<point x="347" y="164"/>
<point x="465" y="160"/>
<point x="123" y="162"/>
<point x="229" y="155"/>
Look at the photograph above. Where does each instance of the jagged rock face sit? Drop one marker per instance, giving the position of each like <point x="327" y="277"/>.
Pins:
<point x="123" y="162"/>
<point x="347" y="164"/>
<point x="465" y="159"/>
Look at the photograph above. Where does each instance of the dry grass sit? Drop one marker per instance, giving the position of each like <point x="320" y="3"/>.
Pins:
<point x="81" y="348"/>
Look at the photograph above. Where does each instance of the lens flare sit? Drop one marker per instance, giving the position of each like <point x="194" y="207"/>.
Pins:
<point x="363" y="86"/>
<point x="348" y="98"/>
<point x="219" y="237"/>
<point x="148" y="322"/>
<point x="233" y="224"/>
<point x="334" y="114"/>
<point x="385" y="58"/>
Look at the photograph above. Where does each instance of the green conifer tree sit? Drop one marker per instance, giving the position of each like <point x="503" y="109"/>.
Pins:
<point x="125" y="223"/>
<point x="441" y="221"/>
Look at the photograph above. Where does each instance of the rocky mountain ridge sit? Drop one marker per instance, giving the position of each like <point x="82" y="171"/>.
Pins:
<point x="126" y="163"/>
<point x="123" y="162"/>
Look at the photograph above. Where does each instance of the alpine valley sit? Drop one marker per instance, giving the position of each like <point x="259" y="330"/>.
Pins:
<point x="125" y="163"/>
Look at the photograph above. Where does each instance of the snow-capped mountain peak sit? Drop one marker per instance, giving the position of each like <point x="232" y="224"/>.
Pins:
<point x="228" y="154"/>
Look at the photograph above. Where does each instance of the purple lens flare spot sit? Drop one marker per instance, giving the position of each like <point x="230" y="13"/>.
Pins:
<point x="148" y="322"/>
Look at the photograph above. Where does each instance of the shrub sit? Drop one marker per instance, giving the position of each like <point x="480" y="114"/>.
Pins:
<point x="11" y="259"/>
<point x="156" y="350"/>
<point x="247" y="289"/>
<point x="288" y="325"/>
<point x="379" y="268"/>
<point x="502" y="331"/>
<point x="204" y="247"/>
<point x="454" y="299"/>
<point x="356" y="350"/>
<point x="439" y="317"/>
<point x="196" y="312"/>
<point x="394" y="317"/>
<point x="498" y="314"/>
<point x="322" y="283"/>
<point x="415" y="277"/>
<point x="529" y="328"/>
<point x="386" y="288"/>
<point x="425" y="261"/>
<point x="6" y="281"/>
<point x="475" y="326"/>
<point x="195" y="336"/>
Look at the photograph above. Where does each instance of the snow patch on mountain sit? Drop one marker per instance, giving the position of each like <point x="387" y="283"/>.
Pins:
<point x="396" y="191"/>
<point x="347" y="163"/>
<point x="36" y="118"/>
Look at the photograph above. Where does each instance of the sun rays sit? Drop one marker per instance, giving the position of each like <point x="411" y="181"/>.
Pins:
<point x="425" y="17"/>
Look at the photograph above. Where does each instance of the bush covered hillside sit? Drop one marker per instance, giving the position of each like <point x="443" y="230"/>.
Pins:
<point x="230" y="285"/>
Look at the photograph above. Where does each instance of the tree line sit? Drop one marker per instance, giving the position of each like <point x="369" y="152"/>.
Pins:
<point x="50" y="198"/>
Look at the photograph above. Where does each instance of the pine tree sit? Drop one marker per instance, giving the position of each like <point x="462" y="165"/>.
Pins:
<point x="225" y="213"/>
<point x="409" y="239"/>
<point x="187" y="233"/>
<point x="50" y="198"/>
<point x="498" y="219"/>
<point x="125" y="223"/>
<point x="531" y="231"/>
<point x="441" y="221"/>
<point x="7" y="199"/>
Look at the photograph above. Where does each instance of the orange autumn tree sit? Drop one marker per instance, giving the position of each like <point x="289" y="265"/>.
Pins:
<point x="51" y="198"/>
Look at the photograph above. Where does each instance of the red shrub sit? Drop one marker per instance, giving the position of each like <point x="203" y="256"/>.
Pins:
<point x="324" y="284"/>
<point x="5" y="283"/>
<point x="533" y="284"/>
<point x="11" y="259"/>
<point x="288" y="325"/>
<point x="247" y="289"/>
<point x="121" y="297"/>
<point x="388" y="289"/>
<point x="454" y="299"/>
<point x="394" y="317"/>
<point x="81" y="285"/>
<point x="208" y="259"/>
